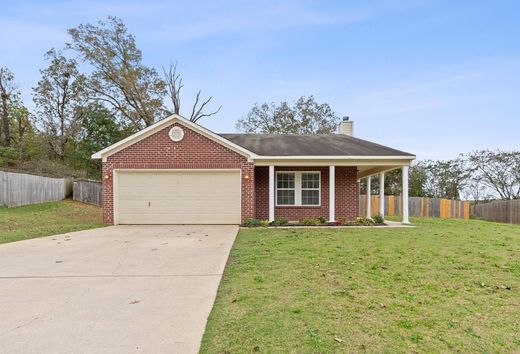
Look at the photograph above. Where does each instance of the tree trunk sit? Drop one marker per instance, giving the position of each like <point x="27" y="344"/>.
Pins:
<point x="5" y="121"/>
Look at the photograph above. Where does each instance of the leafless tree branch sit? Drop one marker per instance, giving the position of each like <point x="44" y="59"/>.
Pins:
<point x="174" y="86"/>
<point x="198" y="112"/>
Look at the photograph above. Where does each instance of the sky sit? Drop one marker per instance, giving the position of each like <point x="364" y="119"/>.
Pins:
<point x="434" y="78"/>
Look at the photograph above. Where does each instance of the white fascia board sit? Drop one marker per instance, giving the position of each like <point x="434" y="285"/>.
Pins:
<point x="337" y="161"/>
<point x="334" y="157"/>
<point x="132" y="139"/>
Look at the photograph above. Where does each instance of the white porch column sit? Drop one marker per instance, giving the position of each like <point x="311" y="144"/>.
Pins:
<point x="369" y="196"/>
<point x="382" y="195"/>
<point x="271" y="193"/>
<point x="405" y="195"/>
<point x="332" y="193"/>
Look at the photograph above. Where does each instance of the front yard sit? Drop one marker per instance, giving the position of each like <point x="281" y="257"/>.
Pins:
<point x="444" y="286"/>
<point x="46" y="219"/>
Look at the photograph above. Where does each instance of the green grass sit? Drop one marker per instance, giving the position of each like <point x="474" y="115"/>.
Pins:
<point x="47" y="219"/>
<point x="444" y="286"/>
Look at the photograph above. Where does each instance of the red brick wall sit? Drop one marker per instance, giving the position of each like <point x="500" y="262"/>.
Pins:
<point x="158" y="151"/>
<point x="262" y="192"/>
<point x="347" y="194"/>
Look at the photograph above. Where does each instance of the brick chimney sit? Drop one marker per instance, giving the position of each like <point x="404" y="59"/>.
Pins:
<point x="346" y="126"/>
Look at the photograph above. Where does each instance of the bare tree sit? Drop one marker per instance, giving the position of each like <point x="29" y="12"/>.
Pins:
<point x="174" y="86"/>
<point x="8" y="94"/>
<point x="59" y="98"/>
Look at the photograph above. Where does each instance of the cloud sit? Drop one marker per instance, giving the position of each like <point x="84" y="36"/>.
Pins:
<point x="249" y="17"/>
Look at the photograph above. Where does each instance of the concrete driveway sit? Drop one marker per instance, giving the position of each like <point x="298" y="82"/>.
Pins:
<point x="118" y="289"/>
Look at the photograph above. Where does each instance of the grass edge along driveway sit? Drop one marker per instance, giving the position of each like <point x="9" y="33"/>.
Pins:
<point x="444" y="286"/>
<point x="47" y="219"/>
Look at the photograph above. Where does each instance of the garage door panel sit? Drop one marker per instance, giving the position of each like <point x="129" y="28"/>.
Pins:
<point x="179" y="197"/>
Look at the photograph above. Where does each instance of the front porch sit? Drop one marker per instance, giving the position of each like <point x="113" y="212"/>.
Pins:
<point x="297" y="192"/>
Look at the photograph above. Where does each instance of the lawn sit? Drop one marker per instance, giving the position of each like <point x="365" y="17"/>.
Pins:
<point x="47" y="219"/>
<point x="443" y="286"/>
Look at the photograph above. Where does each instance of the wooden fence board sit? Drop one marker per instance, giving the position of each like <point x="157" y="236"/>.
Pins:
<point x="90" y="192"/>
<point x="507" y="211"/>
<point x="418" y="206"/>
<point x="17" y="189"/>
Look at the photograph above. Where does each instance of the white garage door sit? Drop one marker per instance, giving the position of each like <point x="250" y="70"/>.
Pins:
<point x="177" y="197"/>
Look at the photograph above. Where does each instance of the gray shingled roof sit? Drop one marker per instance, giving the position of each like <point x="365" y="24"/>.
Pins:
<point x="310" y="145"/>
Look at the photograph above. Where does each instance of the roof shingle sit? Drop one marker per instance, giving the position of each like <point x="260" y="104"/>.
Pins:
<point x="310" y="145"/>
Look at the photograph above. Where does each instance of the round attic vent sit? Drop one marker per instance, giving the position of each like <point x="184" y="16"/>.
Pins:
<point x="176" y="134"/>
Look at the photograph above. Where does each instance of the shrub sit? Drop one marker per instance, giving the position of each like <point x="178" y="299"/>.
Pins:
<point x="309" y="221"/>
<point x="342" y="220"/>
<point x="364" y="221"/>
<point x="252" y="222"/>
<point x="279" y="221"/>
<point x="264" y="223"/>
<point x="378" y="219"/>
<point x="322" y="220"/>
<point x="7" y="156"/>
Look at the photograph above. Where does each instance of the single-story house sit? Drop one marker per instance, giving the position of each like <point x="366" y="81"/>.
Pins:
<point x="178" y="172"/>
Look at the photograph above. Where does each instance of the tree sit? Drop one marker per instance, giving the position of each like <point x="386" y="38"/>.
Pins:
<point x="8" y="94"/>
<point x="498" y="171"/>
<point x="20" y="125"/>
<point x="59" y="98"/>
<point x="174" y="86"/>
<point x="446" y="179"/>
<point x="119" y="78"/>
<point x="305" y="117"/>
<point x="394" y="183"/>
<point x="477" y="191"/>
<point x="98" y="130"/>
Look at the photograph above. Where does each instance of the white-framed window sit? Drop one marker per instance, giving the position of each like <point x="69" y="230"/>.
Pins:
<point x="298" y="188"/>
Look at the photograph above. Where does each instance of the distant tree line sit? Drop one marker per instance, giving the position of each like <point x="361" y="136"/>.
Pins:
<point x="481" y="175"/>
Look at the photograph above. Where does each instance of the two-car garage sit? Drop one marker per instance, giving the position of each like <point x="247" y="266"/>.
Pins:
<point x="177" y="196"/>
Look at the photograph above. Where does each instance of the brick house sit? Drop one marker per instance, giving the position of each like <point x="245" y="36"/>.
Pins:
<point x="178" y="172"/>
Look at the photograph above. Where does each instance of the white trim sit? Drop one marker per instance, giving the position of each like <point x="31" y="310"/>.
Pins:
<point x="382" y="194"/>
<point x="115" y="196"/>
<point x="332" y="161"/>
<point x="174" y="118"/>
<point x="115" y="182"/>
<point x="298" y="189"/>
<point x="332" y="157"/>
<point x="405" y="195"/>
<point x="369" y="197"/>
<point x="271" y="193"/>
<point x="332" y="193"/>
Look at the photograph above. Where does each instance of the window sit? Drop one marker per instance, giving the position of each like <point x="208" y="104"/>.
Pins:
<point x="310" y="188"/>
<point x="285" y="191"/>
<point x="298" y="188"/>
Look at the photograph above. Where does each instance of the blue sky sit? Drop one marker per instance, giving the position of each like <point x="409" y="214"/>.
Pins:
<point x="430" y="77"/>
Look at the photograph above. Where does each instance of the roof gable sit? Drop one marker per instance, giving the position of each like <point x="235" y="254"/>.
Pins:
<point x="174" y="118"/>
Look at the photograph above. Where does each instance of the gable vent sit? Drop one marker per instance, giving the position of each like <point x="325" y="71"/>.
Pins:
<point x="176" y="134"/>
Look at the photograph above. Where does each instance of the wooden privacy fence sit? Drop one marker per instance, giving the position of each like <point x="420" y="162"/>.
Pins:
<point x="18" y="189"/>
<point x="503" y="211"/>
<point x="90" y="192"/>
<point x="417" y="206"/>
